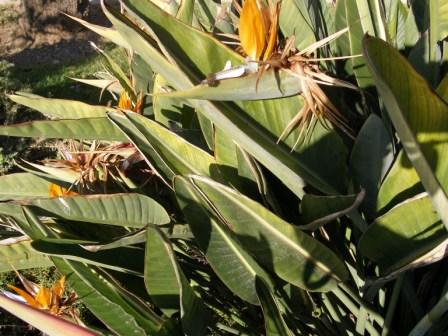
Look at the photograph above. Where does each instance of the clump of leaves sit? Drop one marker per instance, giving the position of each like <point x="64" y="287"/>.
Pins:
<point x="249" y="229"/>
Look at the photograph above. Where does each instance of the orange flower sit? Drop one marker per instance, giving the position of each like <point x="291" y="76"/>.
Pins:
<point x="39" y="297"/>
<point x="258" y="28"/>
<point x="58" y="191"/>
<point x="125" y="102"/>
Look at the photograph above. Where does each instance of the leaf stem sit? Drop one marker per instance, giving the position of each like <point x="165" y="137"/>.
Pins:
<point x="392" y="305"/>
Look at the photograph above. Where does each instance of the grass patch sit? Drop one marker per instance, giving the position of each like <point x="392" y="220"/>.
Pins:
<point x="54" y="80"/>
<point x="49" y="81"/>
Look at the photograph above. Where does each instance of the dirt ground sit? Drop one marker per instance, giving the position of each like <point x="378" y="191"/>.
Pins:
<point x="54" y="43"/>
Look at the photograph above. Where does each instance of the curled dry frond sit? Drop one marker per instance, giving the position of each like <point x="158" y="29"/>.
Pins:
<point x="94" y="163"/>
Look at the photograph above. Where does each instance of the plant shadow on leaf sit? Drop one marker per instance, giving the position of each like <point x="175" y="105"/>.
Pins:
<point x="410" y="230"/>
<point x="263" y="254"/>
<point x="323" y="150"/>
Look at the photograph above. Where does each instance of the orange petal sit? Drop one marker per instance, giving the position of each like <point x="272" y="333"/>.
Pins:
<point x="273" y="31"/>
<point x="29" y="299"/>
<point x="125" y="102"/>
<point x="252" y="29"/>
<point x="58" y="288"/>
<point x="43" y="297"/>
<point x="58" y="191"/>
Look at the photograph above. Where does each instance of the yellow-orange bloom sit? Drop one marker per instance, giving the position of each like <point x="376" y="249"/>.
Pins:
<point x="58" y="191"/>
<point x="258" y="29"/>
<point x="125" y="102"/>
<point x="45" y="298"/>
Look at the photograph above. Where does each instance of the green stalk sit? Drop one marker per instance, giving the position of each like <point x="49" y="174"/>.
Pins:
<point x="335" y="315"/>
<point x="375" y="315"/>
<point x="354" y="310"/>
<point x="434" y="314"/>
<point x="392" y="305"/>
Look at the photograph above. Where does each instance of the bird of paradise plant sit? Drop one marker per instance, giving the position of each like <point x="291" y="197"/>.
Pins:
<point x="258" y="35"/>
<point x="48" y="299"/>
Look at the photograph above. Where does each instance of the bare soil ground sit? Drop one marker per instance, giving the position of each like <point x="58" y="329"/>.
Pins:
<point x="58" y="42"/>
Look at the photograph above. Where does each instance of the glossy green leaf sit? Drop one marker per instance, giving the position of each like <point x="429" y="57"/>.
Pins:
<point x="88" y="129"/>
<point x="274" y="323"/>
<point x="123" y="259"/>
<point x="117" y="72"/>
<point x="129" y="210"/>
<point x="135" y="237"/>
<point x="143" y="80"/>
<point x="370" y="160"/>
<point x="44" y="321"/>
<point x="160" y="276"/>
<point x="348" y="15"/>
<point x="317" y="211"/>
<point x="419" y="115"/>
<point x="425" y="57"/>
<point x="234" y="266"/>
<point x="20" y="255"/>
<point x="23" y="186"/>
<point x="400" y="27"/>
<point x="179" y="154"/>
<point x="442" y="19"/>
<point x="60" y="108"/>
<point x="272" y="84"/>
<point x="406" y="232"/>
<point x="106" y="84"/>
<point x="239" y="169"/>
<point x="294" y="20"/>
<point x="193" y="314"/>
<point x="442" y="89"/>
<point x="400" y="183"/>
<point x="107" y="300"/>
<point x="285" y="249"/>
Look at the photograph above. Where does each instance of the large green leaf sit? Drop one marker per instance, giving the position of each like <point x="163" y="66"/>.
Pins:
<point x="179" y="154"/>
<point x="193" y="314"/>
<point x="348" y="15"/>
<point x="403" y="234"/>
<point x="88" y="129"/>
<point x="107" y="300"/>
<point x="400" y="183"/>
<point x="234" y="266"/>
<point x="238" y="169"/>
<point x="285" y="249"/>
<point x="442" y="89"/>
<point x="419" y="115"/>
<point x="121" y="259"/>
<point x="20" y="255"/>
<point x="129" y="210"/>
<point x="60" y="108"/>
<point x="118" y="73"/>
<point x="316" y="211"/>
<point x="294" y="20"/>
<point x="23" y="186"/>
<point x="370" y="159"/>
<point x="160" y="276"/>
<point x="442" y="19"/>
<point x="152" y="157"/>
<point x="272" y="84"/>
